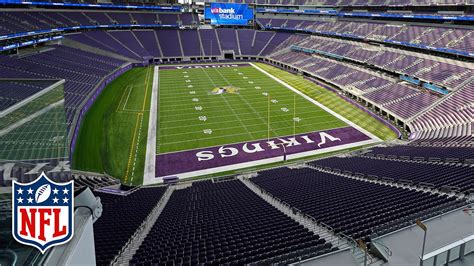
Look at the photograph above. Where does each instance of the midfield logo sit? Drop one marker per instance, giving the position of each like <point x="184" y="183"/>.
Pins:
<point x="43" y="212"/>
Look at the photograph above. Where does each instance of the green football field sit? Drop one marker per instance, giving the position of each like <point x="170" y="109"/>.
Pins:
<point x="250" y="106"/>
<point x="202" y="107"/>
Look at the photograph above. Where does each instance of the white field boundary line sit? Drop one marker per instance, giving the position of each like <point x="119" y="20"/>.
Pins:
<point x="150" y="158"/>
<point x="281" y="102"/>
<point x="233" y="143"/>
<point x="252" y="90"/>
<point x="259" y="102"/>
<point x="231" y="135"/>
<point x="173" y="112"/>
<point x="262" y="161"/>
<point x="283" y="114"/>
<point x="372" y="136"/>
<point x="248" y="124"/>
<point x="136" y="147"/>
<point x="30" y="117"/>
<point x="129" y="89"/>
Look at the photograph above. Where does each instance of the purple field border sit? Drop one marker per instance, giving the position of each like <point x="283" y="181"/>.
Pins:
<point x="217" y="156"/>
<point x="191" y="66"/>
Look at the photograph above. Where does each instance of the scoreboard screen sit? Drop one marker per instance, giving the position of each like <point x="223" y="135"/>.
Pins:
<point x="228" y="14"/>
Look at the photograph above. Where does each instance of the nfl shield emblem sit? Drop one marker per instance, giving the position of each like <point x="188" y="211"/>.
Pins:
<point x="42" y="212"/>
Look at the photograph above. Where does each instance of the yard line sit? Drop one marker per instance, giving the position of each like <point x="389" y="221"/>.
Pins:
<point x="236" y="116"/>
<point x="227" y="128"/>
<point x="223" y="116"/>
<point x="259" y="104"/>
<point x="121" y="99"/>
<point x="173" y="112"/>
<point x="186" y="101"/>
<point x="251" y="91"/>
<point x="136" y="148"/>
<point x="232" y="135"/>
<point x="220" y="122"/>
<point x="129" y="88"/>
<point x="147" y="77"/>
<point x="248" y="104"/>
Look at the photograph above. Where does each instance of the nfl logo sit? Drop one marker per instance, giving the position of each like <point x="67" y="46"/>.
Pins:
<point x="42" y="212"/>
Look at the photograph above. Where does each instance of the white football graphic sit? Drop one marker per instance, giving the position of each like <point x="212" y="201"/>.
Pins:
<point x="42" y="193"/>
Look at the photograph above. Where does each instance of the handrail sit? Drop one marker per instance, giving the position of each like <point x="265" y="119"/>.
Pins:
<point x="139" y="229"/>
<point x="385" y="247"/>
<point x="357" y="249"/>
<point x="447" y="247"/>
<point x="299" y="213"/>
<point x="82" y="108"/>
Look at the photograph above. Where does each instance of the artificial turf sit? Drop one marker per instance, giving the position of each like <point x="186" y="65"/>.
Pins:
<point x="192" y="115"/>
<point x="113" y="134"/>
<point x="254" y="107"/>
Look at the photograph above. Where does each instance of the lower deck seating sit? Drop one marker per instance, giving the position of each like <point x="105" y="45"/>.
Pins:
<point x="465" y="141"/>
<point x="354" y="208"/>
<point x="221" y="223"/>
<point x="121" y="218"/>
<point x="436" y="174"/>
<point x="413" y="152"/>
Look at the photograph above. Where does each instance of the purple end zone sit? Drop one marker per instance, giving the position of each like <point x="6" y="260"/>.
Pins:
<point x="204" y="66"/>
<point x="217" y="156"/>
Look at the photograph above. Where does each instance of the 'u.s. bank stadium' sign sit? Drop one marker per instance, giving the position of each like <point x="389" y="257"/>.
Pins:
<point x="228" y="14"/>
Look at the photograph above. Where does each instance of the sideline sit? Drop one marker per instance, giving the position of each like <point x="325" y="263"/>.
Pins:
<point x="150" y="157"/>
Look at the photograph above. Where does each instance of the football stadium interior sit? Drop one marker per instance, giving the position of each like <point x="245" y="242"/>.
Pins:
<point x="237" y="132"/>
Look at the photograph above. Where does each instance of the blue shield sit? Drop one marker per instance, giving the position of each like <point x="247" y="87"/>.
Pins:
<point x="42" y="212"/>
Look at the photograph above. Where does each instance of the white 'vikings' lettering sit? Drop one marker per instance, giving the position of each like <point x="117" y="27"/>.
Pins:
<point x="205" y="155"/>
<point x="256" y="148"/>
<point x="205" y="66"/>
<point x="307" y="139"/>
<point x="290" y="142"/>
<point x="325" y="135"/>
<point x="233" y="151"/>
<point x="272" y="144"/>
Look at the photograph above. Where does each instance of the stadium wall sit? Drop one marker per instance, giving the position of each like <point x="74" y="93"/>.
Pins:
<point x="86" y="105"/>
